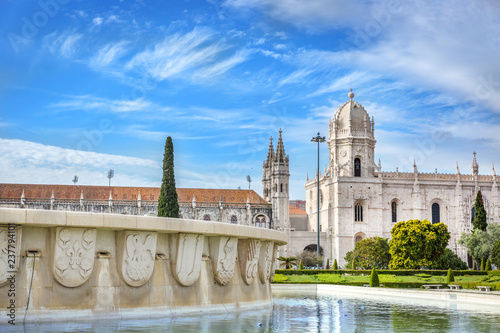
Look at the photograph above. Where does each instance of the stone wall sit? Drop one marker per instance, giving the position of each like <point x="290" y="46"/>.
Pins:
<point x="78" y="265"/>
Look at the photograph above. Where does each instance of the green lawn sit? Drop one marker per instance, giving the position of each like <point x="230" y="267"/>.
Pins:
<point x="468" y="282"/>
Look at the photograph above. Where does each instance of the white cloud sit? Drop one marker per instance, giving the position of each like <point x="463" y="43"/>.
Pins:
<point x="64" y="44"/>
<point x="108" y="53"/>
<point x="30" y="162"/>
<point x="195" y="54"/>
<point x="92" y="103"/>
<point x="97" y="21"/>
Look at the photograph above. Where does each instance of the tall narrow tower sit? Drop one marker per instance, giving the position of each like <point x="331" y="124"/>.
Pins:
<point x="352" y="141"/>
<point x="267" y="172"/>
<point x="275" y="183"/>
<point x="280" y="180"/>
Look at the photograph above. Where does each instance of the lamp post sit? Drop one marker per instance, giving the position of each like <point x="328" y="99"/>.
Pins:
<point x="318" y="139"/>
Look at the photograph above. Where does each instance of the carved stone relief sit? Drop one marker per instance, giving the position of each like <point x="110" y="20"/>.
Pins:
<point x="265" y="261"/>
<point x="138" y="257"/>
<point x="273" y="263"/>
<point x="248" y="257"/>
<point x="9" y="255"/>
<point x="223" y="252"/>
<point x="74" y="250"/>
<point x="185" y="252"/>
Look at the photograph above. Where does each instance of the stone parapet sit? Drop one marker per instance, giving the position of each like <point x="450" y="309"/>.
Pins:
<point x="78" y="265"/>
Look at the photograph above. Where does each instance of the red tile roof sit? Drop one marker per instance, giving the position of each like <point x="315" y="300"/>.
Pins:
<point x="36" y="191"/>
<point x="297" y="211"/>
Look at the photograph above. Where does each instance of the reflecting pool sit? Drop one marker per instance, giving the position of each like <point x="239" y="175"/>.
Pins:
<point x="305" y="313"/>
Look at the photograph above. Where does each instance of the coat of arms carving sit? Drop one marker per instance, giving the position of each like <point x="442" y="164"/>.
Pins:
<point x="137" y="259"/>
<point x="73" y="255"/>
<point x="248" y="256"/>
<point x="265" y="261"/>
<point x="223" y="252"/>
<point x="186" y="251"/>
<point x="10" y="245"/>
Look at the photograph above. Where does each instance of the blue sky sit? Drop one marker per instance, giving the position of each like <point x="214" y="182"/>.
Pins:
<point x="85" y="87"/>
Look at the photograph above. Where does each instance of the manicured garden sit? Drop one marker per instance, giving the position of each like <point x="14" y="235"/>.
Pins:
<point x="390" y="278"/>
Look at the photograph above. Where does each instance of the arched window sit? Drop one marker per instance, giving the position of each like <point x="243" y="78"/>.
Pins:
<point x="234" y="219"/>
<point x="359" y="237"/>
<point x="281" y="187"/>
<point x="394" y="212"/>
<point x="435" y="213"/>
<point x="358" y="212"/>
<point x="357" y="167"/>
<point x="260" y="221"/>
<point x="206" y="217"/>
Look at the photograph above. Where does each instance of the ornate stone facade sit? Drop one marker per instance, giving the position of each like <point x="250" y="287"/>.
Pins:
<point x="358" y="199"/>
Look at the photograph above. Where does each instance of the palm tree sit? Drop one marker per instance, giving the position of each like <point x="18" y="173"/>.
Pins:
<point x="287" y="262"/>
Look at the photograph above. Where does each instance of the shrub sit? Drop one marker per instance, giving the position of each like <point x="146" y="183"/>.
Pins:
<point x="301" y="265"/>
<point x="450" y="277"/>
<point x="374" y="282"/>
<point x="310" y="258"/>
<point x="327" y="263"/>
<point x="450" y="260"/>
<point x="369" y="253"/>
<point x="335" y="265"/>
<point x="482" y="264"/>
<point x="287" y="262"/>
<point x="279" y="278"/>
<point x="488" y="265"/>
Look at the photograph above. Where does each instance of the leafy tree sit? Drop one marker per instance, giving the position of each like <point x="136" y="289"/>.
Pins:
<point x="374" y="281"/>
<point x="479" y="243"/>
<point x="301" y="265"/>
<point x="168" y="205"/>
<point x="417" y="244"/>
<point x="310" y="258"/>
<point x="487" y="267"/>
<point x="479" y="221"/>
<point x="335" y="265"/>
<point x="450" y="260"/>
<point x="495" y="253"/>
<point x="450" y="277"/>
<point x="288" y="262"/>
<point x="369" y="253"/>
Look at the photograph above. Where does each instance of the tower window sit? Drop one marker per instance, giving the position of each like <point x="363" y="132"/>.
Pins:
<point x="435" y="213"/>
<point x="260" y="221"/>
<point x="281" y="187"/>
<point x="394" y="211"/>
<point x="358" y="212"/>
<point x="357" y="167"/>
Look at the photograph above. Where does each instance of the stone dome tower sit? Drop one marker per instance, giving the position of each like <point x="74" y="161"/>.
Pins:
<point x="352" y="141"/>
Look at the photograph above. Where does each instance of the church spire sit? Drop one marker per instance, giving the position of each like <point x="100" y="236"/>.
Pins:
<point x="270" y="153"/>
<point x="475" y="166"/>
<point x="280" y="150"/>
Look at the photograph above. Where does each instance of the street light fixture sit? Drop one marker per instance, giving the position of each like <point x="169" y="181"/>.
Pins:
<point x="318" y="139"/>
<point x="111" y="174"/>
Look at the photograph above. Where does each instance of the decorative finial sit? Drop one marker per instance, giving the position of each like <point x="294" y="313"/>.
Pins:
<point x="351" y="94"/>
<point x="458" y="169"/>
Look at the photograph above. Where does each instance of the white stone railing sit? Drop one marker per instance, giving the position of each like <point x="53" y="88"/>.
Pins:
<point x="83" y="264"/>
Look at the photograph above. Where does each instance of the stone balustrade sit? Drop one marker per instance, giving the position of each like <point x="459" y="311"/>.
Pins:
<point x="75" y="265"/>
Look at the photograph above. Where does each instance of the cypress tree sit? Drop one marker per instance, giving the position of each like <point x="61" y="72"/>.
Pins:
<point x="488" y="265"/>
<point x="168" y="205"/>
<point x="327" y="263"/>
<point x="480" y="214"/>
<point x="301" y="265"/>
<point x="374" y="282"/>
<point x="450" y="277"/>
<point x="482" y="264"/>
<point x="335" y="265"/>
<point x="474" y="265"/>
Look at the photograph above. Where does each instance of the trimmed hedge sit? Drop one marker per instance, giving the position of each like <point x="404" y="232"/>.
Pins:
<point x="407" y="272"/>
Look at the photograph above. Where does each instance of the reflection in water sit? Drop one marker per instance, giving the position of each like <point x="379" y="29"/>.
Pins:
<point x="332" y="313"/>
